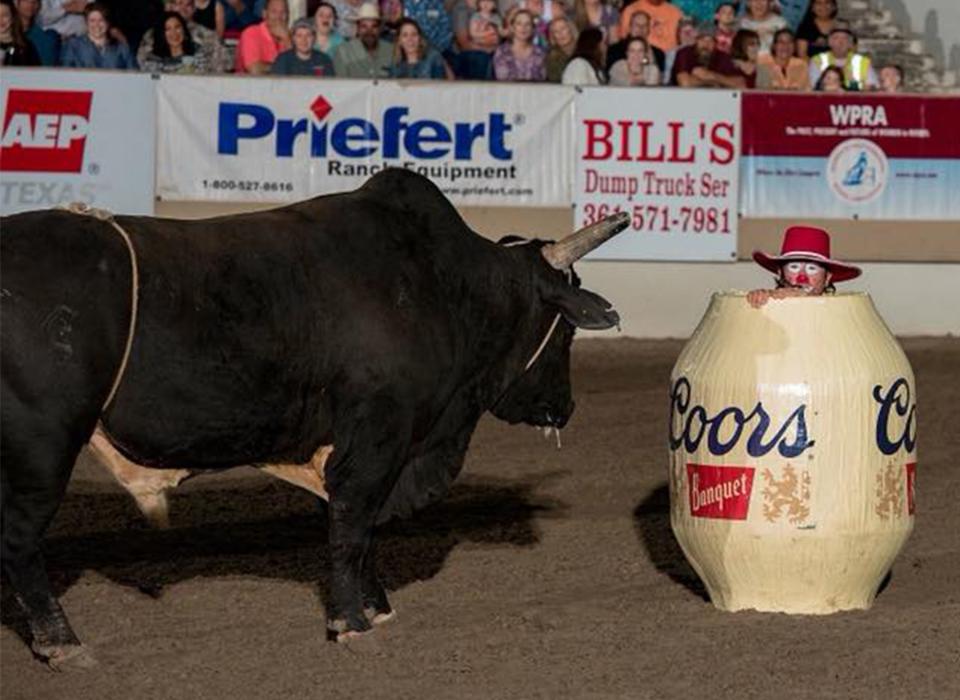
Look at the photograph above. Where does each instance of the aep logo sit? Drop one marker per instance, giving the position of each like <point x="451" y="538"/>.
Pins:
<point x="45" y="130"/>
<point x="394" y="135"/>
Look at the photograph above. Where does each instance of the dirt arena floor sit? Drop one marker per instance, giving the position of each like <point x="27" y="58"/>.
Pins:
<point x="545" y="574"/>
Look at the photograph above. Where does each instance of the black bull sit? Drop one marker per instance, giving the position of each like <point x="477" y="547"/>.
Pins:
<point x="371" y="327"/>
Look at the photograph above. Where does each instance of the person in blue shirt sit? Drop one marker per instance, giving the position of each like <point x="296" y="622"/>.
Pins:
<point x="96" y="48"/>
<point x="303" y="58"/>
<point x="240" y="14"/>
<point x="45" y="41"/>
<point x="413" y="57"/>
<point x="434" y="22"/>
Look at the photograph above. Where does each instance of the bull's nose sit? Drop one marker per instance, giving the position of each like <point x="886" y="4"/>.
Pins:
<point x="561" y="421"/>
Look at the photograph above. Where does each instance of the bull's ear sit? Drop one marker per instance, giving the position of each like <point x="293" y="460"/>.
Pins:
<point x="583" y="308"/>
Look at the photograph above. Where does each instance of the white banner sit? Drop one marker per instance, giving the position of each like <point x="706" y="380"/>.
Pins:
<point x="275" y="140"/>
<point x="76" y="136"/>
<point x="667" y="156"/>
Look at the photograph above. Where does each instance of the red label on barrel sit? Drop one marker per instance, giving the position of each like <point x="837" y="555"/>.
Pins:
<point x="719" y="492"/>
<point x="911" y="487"/>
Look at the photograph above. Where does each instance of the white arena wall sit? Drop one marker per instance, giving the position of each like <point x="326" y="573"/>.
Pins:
<point x="666" y="300"/>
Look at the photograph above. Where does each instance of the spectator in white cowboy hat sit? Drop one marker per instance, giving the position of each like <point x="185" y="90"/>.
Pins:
<point x="366" y="56"/>
<point x="803" y="268"/>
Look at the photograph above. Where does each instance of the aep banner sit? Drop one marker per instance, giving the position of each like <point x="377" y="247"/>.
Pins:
<point x="669" y="158"/>
<point x="852" y="155"/>
<point x="76" y="136"/>
<point x="254" y="139"/>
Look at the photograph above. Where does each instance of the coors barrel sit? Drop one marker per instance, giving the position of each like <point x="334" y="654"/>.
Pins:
<point x="792" y="452"/>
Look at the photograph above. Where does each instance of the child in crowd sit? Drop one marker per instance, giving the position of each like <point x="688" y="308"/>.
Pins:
<point x="484" y="18"/>
<point x="726" y="23"/>
<point x="761" y="18"/>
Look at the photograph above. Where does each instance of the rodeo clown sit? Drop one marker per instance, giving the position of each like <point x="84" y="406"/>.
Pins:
<point x="804" y="266"/>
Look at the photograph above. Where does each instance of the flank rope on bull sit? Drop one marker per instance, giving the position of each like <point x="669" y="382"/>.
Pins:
<point x="104" y="215"/>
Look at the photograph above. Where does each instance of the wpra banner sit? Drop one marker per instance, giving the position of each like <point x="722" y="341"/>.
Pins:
<point x="250" y="139"/>
<point x="669" y="158"/>
<point x="71" y="136"/>
<point x="851" y="156"/>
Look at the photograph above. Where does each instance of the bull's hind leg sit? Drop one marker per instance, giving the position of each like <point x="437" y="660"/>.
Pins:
<point x="34" y="480"/>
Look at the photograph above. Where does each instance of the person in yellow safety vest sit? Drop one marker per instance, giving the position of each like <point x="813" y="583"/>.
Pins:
<point x="857" y="69"/>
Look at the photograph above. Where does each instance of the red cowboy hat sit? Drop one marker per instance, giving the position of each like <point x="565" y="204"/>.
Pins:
<point x="807" y="243"/>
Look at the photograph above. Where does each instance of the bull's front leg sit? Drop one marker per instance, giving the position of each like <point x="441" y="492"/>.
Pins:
<point x="359" y="480"/>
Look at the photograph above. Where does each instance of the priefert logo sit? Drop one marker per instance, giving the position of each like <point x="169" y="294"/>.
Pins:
<point x="45" y="130"/>
<point x="394" y="135"/>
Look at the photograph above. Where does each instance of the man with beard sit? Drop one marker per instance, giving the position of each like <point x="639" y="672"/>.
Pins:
<point x="703" y="65"/>
<point x="366" y="56"/>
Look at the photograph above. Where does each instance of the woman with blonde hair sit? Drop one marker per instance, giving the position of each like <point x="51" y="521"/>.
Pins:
<point x="562" y="34"/>
<point x="519" y="58"/>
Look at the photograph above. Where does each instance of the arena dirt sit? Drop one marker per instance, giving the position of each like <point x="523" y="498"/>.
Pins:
<point x="545" y="574"/>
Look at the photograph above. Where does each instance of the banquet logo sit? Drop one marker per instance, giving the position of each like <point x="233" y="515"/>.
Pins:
<point x="393" y="135"/>
<point x="857" y="171"/>
<point x="45" y="130"/>
<point x="719" y="492"/>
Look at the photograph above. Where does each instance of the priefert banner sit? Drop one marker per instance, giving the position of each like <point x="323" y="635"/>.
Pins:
<point x="251" y="139"/>
<point x="667" y="157"/>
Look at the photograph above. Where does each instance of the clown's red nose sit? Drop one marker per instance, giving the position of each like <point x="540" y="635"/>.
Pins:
<point x="802" y="278"/>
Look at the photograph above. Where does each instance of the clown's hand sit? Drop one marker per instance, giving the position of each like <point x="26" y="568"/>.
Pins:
<point x="758" y="297"/>
<point x="786" y="292"/>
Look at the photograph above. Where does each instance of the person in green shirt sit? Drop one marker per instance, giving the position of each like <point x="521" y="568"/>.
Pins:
<point x="368" y="55"/>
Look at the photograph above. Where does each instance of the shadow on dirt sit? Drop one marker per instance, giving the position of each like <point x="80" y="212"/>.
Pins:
<point x="269" y="530"/>
<point x="652" y="521"/>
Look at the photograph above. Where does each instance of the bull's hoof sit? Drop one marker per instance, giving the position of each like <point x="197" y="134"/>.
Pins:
<point x="66" y="657"/>
<point x="345" y="628"/>
<point x="378" y="617"/>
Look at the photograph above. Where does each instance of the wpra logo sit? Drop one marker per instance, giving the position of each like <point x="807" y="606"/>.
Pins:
<point x="394" y="135"/>
<point x="724" y="429"/>
<point x="45" y="130"/>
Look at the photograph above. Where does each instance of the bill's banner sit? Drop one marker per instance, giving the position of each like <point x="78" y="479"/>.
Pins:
<point x="854" y="155"/>
<point x="669" y="158"/>
<point x="76" y="136"/>
<point x="251" y="139"/>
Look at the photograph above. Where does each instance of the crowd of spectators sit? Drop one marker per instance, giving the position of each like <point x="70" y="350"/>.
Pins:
<point x="748" y="44"/>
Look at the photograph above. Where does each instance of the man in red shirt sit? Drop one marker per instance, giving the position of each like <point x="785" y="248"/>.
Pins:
<point x="261" y="43"/>
<point x="703" y="65"/>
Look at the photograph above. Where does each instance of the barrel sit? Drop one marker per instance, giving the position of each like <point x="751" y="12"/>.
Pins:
<point x="792" y="452"/>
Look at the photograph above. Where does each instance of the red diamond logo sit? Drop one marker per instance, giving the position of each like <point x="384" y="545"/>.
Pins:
<point x="320" y="107"/>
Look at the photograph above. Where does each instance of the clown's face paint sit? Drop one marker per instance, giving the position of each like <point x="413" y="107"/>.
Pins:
<point x="809" y="276"/>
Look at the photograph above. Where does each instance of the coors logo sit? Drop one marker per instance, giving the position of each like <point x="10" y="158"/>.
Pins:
<point x="719" y="492"/>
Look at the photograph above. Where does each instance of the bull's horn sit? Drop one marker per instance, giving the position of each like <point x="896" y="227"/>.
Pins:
<point x="564" y="253"/>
